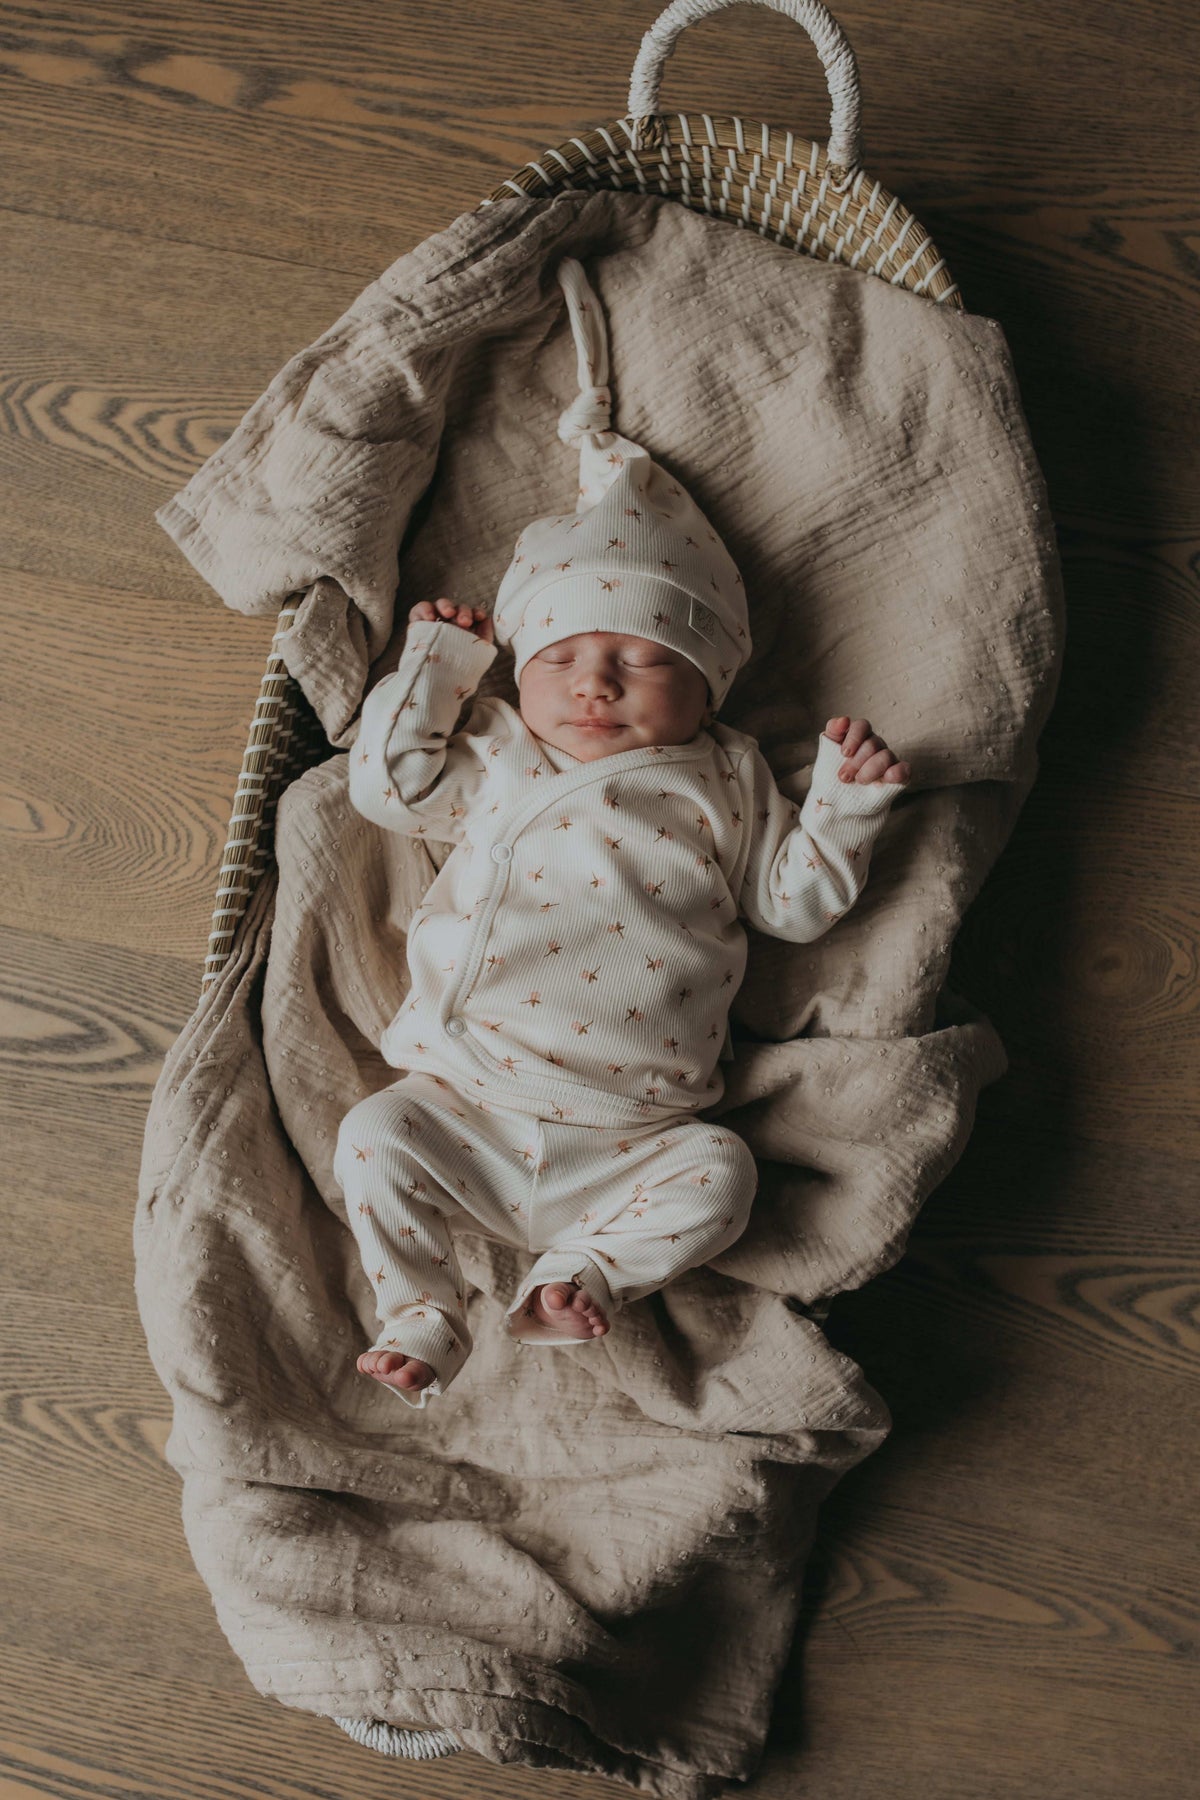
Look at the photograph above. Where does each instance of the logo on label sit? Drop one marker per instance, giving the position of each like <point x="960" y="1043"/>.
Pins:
<point x="702" y="619"/>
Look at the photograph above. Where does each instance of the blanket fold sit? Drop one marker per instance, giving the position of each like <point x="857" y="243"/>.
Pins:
<point x="590" y="1559"/>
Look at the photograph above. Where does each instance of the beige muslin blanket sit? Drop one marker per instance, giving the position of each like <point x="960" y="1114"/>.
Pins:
<point x="589" y="1559"/>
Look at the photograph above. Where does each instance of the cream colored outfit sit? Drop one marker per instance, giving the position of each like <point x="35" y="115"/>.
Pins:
<point x="618" y="1211"/>
<point x="574" y="960"/>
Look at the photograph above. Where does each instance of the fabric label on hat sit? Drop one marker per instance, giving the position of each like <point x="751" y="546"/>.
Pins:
<point x="701" y="619"/>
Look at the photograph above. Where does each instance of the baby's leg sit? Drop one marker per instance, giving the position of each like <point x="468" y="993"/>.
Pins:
<point x="392" y="1160"/>
<point x="650" y="1206"/>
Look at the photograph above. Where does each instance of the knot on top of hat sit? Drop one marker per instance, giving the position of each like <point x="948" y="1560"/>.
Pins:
<point x="591" y="410"/>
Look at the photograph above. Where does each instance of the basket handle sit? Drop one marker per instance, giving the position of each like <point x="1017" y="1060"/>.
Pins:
<point x="844" y="150"/>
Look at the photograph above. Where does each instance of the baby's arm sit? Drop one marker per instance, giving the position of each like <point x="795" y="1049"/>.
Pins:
<point x="407" y="772"/>
<point x="807" y="866"/>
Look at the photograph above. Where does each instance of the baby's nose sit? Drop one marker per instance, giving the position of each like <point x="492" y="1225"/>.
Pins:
<point x="597" y="680"/>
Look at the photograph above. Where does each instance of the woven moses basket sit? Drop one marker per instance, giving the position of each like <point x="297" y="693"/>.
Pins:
<point x="819" y="201"/>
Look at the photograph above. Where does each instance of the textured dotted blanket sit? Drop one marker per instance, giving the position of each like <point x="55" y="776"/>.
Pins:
<point x="590" y="1558"/>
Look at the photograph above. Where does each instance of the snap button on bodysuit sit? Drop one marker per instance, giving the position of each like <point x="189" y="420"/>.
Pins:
<point x="455" y="1026"/>
<point x="501" y="853"/>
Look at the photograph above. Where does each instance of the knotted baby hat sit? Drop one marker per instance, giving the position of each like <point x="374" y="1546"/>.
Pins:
<point x="637" y="555"/>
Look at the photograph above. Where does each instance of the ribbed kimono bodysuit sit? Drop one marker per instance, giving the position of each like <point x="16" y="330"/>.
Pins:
<point x="572" y="967"/>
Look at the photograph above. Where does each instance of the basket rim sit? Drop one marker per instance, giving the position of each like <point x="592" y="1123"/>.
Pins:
<point x="764" y="159"/>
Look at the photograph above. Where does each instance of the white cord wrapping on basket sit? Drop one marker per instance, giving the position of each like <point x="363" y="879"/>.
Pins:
<point x="844" y="149"/>
<point x="394" y="1740"/>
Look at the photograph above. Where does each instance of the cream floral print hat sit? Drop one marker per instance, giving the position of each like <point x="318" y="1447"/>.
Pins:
<point x="637" y="555"/>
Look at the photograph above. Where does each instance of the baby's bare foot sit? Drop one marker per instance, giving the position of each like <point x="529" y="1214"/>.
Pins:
<point x="566" y="1307"/>
<point x="395" y="1370"/>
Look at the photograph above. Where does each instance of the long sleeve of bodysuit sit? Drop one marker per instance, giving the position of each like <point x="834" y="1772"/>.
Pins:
<point x="409" y="770"/>
<point x="807" y="866"/>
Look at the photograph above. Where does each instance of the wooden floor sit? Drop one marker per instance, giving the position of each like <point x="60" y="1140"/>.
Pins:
<point x="1004" y="1599"/>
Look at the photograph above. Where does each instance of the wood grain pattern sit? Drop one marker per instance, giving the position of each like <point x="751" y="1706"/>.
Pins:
<point x="1003" y="1600"/>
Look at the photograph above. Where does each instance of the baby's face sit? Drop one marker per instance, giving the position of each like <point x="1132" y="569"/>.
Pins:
<point x="601" y="691"/>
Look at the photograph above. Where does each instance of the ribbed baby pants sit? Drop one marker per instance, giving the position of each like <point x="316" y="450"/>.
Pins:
<point x="619" y="1211"/>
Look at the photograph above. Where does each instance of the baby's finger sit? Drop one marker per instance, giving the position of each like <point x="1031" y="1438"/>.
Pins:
<point x="466" y="617"/>
<point x="873" y="767"/>
<point x="856" y="754"/>
<point x="423" y="610"/>
<point x="446" y="608"/>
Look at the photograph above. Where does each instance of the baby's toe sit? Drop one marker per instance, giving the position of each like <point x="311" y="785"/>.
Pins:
<point x="589" y="1310"/>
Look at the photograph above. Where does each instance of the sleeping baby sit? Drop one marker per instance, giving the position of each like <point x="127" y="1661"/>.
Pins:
<point x="573" y="962"/>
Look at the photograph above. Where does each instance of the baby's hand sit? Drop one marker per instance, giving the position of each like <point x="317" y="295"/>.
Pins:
<point x="868" y="757"/>
<point x="470" y="618"/>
